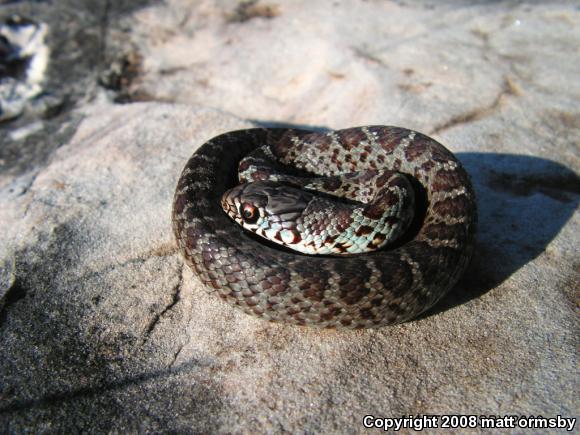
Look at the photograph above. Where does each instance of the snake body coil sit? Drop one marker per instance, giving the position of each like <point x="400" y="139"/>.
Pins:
<point x="387" y="286"/>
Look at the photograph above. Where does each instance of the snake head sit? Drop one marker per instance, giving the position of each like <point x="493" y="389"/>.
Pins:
<point x="320" y="225"/>
<point x="269" y="209"/>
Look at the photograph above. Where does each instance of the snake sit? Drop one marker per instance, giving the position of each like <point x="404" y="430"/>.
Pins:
<point x="410" y="259"/>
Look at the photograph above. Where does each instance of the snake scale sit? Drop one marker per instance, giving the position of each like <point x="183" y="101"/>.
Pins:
<point x="387" y="286"/>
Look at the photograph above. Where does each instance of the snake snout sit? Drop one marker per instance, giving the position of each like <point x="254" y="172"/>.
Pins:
<point x="229" y="199"/>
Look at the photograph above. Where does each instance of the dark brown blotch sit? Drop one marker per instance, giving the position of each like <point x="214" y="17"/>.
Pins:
<point x="390" y="138"/>
<point x="383" y="179"/>
<point x="296" y="237"/>
<point x="363" y="230"/>
<point x="351" y="137"/>
<point x="346" y="322"/>
<point x="367" y="314"/>
<point x="323" y="142"/>
<point x="446" y="180"/>
<point x="343" y="219"/>
<point x="427" y="166"/>
<point x="331" y="183"/>
<point x="333" y="311"/>
<point x="415" y="150"/>
<point x="399" y="279"/>
<point x="179" y="204"/>
<point x="374" y="210"/>
<point x="454" y="207"/>
<point x="291" y="311"/>
<point x="442" y="231"/>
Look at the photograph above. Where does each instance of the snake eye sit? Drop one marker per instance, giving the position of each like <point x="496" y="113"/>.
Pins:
<point x="249" y="213"/>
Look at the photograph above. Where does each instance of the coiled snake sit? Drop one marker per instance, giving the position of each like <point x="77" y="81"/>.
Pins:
<point x="386" y="286"/>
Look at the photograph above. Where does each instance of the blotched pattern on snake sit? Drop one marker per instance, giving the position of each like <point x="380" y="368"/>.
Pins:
<point x="414" y="259"/>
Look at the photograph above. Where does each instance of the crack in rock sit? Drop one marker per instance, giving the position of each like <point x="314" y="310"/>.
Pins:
<point x="176" y="297"/>
<point x="509" y="88"/>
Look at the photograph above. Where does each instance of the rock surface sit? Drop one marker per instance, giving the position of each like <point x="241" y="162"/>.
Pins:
<point x="88" y="56"/>
<point x="103" y="329"/>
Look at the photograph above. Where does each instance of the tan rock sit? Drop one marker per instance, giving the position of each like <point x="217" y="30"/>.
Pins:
<point x="103" y="329"/>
